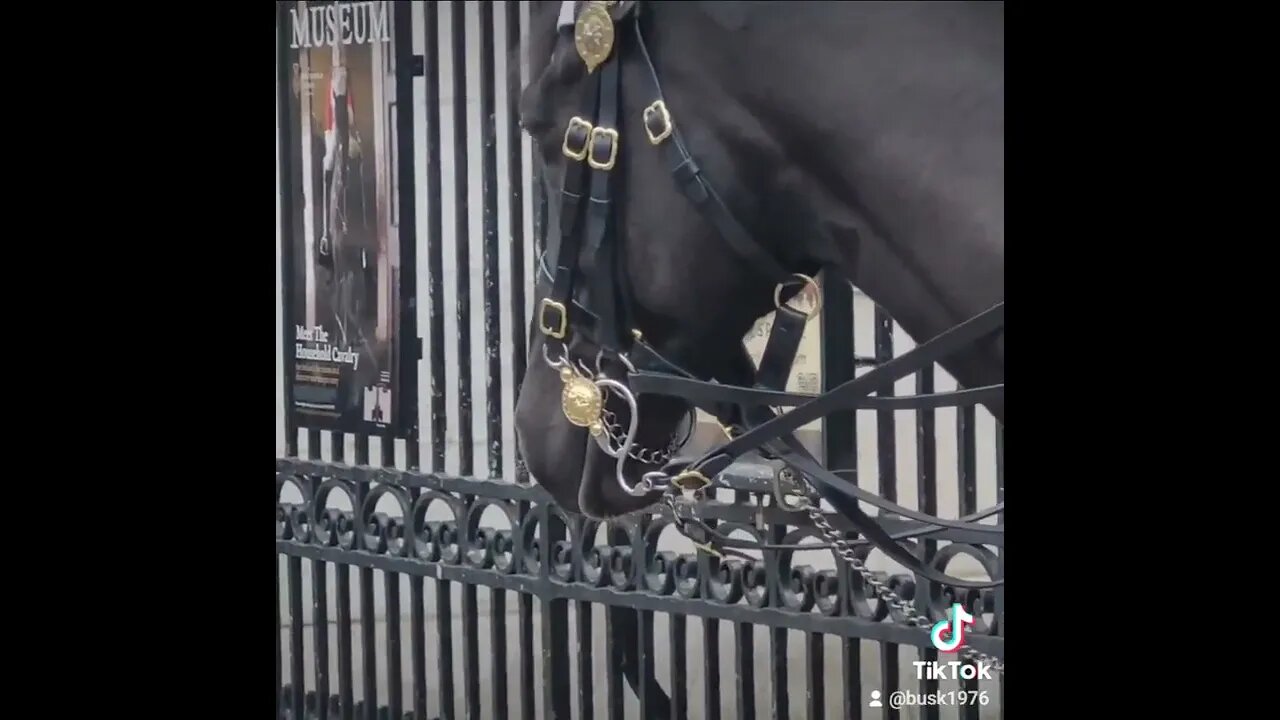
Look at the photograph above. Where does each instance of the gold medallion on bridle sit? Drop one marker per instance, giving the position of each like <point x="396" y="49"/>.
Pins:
<point x="581" y="401"/>
<point x="593" y="35"/>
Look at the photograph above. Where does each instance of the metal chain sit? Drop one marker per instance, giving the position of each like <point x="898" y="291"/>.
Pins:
<point x="644" y="455"/>
<point x="846" y="551"/>
<point x="890" y="598"/>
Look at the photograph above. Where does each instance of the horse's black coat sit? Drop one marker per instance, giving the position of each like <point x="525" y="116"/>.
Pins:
<point x="864" y="136"/>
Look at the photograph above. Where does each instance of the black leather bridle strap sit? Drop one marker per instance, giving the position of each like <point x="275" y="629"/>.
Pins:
<point x="842" y="396"/>
<point x="566" y="260"/>
<point x="703" y="393"/>
<point x="601" y="256"/>
<point x="689" y="178"/>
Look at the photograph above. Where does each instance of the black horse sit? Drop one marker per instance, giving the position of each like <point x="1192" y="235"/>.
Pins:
<point x="862" y="140"/>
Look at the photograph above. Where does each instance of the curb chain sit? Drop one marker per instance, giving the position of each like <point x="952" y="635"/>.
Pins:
<point x="644" y="455"/>
<point x="847" y="553"/>
<point x="913" y="617"/>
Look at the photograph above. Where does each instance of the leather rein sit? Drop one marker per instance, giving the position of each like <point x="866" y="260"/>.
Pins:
<point x="745" y="411"/>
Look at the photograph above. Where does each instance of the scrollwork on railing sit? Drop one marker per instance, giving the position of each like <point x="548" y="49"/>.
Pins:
<point x="384" y="533"/>
<point x="432" y="519"/>
<point x="335" y="527"/>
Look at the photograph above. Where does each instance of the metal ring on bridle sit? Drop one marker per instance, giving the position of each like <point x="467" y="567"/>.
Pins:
<point x="564" y="356"/>
<point x="809" y="282"/>
<point x="621" y="356"/>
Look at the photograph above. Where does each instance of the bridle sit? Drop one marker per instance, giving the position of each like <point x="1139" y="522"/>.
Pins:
<point x="744" y="410"/>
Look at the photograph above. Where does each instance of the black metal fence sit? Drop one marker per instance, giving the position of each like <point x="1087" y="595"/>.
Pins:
<point x="436" y="589"/>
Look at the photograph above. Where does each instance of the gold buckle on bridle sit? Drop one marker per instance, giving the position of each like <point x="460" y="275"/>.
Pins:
<point x="561" y="328"/>
<point x="611" y="136"/>
<point x="659" y="108"/>
<point x="580" y="153"/>
<point x="690" y="481"/>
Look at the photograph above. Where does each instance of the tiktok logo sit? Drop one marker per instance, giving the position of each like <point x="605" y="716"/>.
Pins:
<point x="948" y="635"/>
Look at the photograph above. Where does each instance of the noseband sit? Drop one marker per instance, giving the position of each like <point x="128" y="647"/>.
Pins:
<point x="745" y="411"/>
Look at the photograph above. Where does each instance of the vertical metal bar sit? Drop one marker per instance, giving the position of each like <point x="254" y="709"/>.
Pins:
<point x="368" y="624"/>
<point x="644" y="627"/>
<point x="539" y="208"/>
<point x="744" y="657"/>
<point x="555" y="628"/>
<point x="418" y="645"/>
<point x="444" y="623"/>
<point x="320" y="630"/>
<point x="515" y="185"/>
<point x="711" y="660"/>
<point x="367" y="646"/>
<point x="815" y="695"/>
<point x="435" y="236"/>
<point x="927" y="492"/>
<point x="279" y="650"/>
<point x="411" y="452"/>
<point x="586" y="689"/>
<point x="498" y="635"/>
<point x="395" y="692"/>
<point x="887" y="460"/>
<point x="524" y="608"/>
<point x="840" y="440"/>
<point x="410" y="350"/>
<point x="296" y="625"/>
<point x="778" y="661"/>
<point x="364" y="579"/>
<point x="1000" y="550"/>
<point x="851" y="668"/>
<point x="389" y="451"/>
<point x="967" y="478"/>
<point x="313" y="444"/>
<point x="838" y="429"/>
<point x="346" y="700"/>
<point x="320" y="599"/>
<point x="613" y="668"/>
<point x="492" y="287"/>
<point x="679" y="684"/>
<point x="470" y="652"/>
<point x="462" y="236"/>
<point x="777" y="635"/>
<point x="840" y="444"/>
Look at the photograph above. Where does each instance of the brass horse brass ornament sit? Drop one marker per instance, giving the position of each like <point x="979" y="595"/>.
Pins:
<point x="581" y="401"/>
<point x="593" y="34"/>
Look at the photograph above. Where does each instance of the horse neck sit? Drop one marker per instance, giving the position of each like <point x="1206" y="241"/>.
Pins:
<point x="884" y="128"/>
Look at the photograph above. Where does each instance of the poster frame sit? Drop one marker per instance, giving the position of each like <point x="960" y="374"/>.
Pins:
<point x="406" y="343"/>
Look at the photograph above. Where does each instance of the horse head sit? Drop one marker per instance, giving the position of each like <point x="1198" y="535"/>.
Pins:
<point x="825" y="133"/>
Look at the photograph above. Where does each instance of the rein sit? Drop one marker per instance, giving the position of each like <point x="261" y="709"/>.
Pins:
<point x="746" y="411"/>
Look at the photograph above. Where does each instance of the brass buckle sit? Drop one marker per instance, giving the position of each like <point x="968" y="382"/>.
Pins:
<point x="580" y="153"/>
<point x="658" y="106"/>
<point x="817" y="296"/>
<point x="780" y="495"/>
<point x="561" y="328"/>
<point x="612" y="135"/>
<point x="728" y="431"/>
<point x="706" y="548"/>
<point x="690" y="481"/>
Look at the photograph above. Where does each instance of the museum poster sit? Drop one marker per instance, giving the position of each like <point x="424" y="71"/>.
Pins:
<point x="346" y="327"/>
